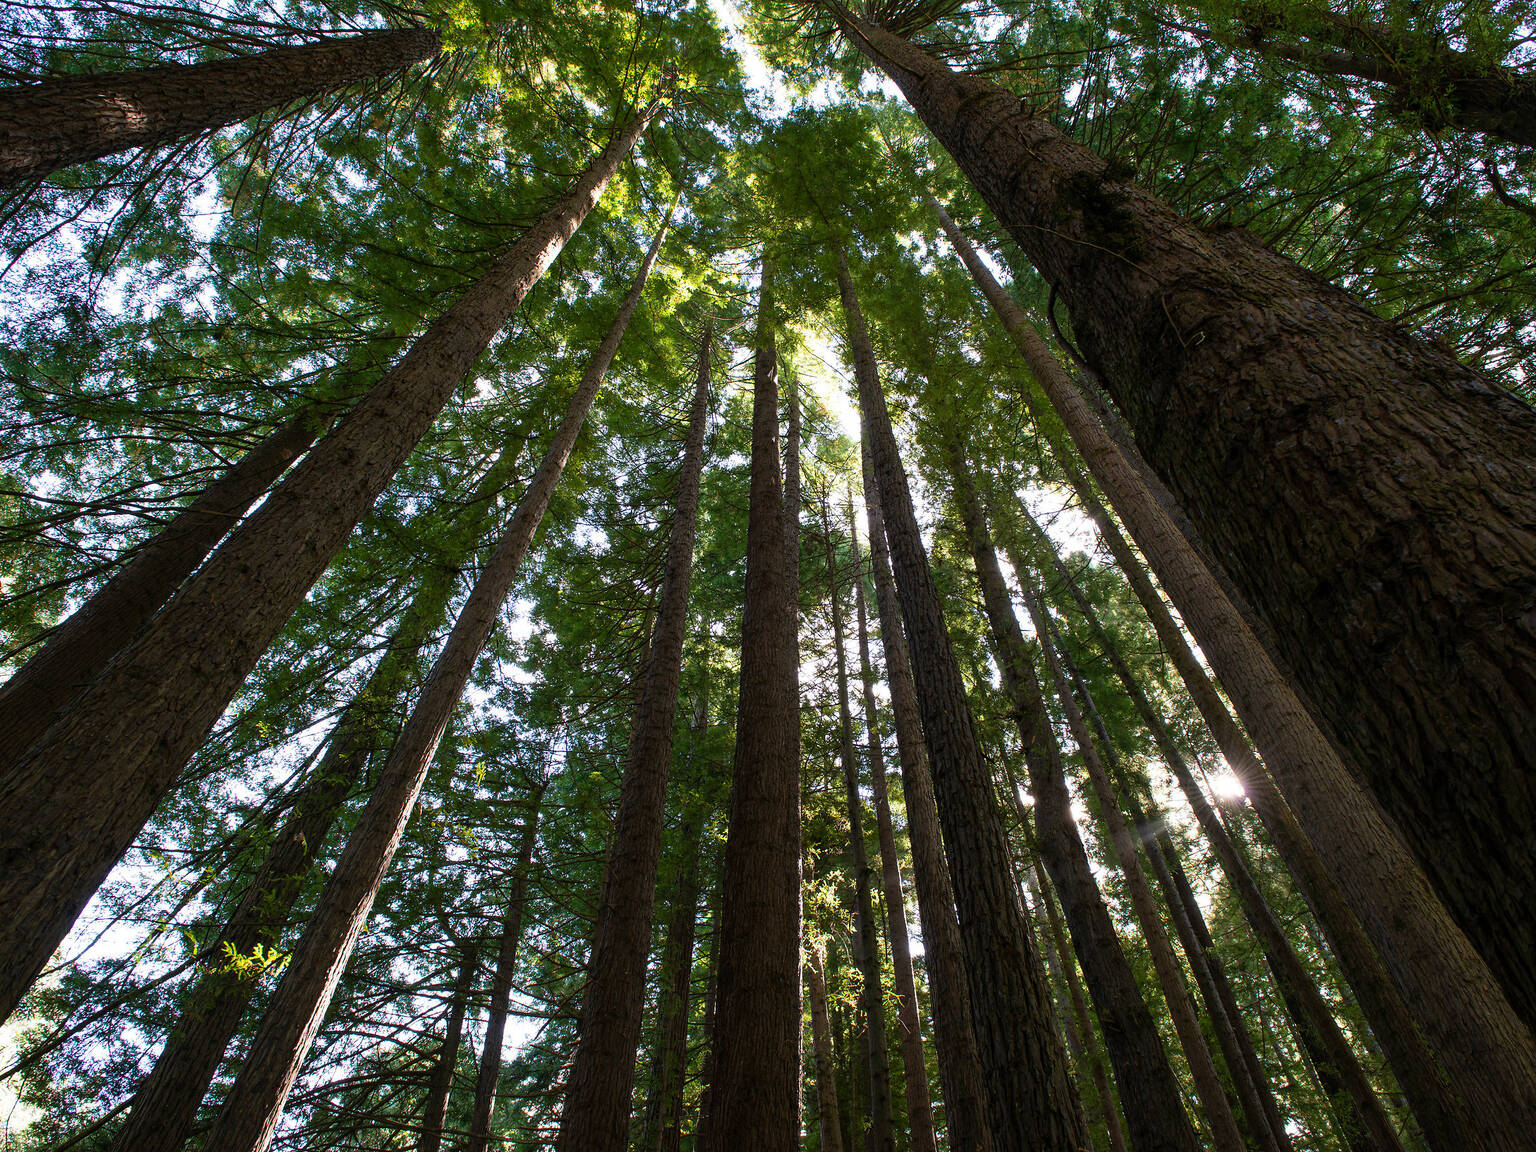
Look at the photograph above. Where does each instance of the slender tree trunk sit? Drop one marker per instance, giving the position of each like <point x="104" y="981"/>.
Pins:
<point x="508" y="939"/>
<point x="435" y="1112"/>
<point x="75" y="802"/>
<point x="595" y="1117"/>
<point x="58" y="122"/>
<point x="828" y="1119"/>
<point x="1089" y="1050"/>
<point x="256" y="1099"/>
<point x="1149" y="1090"/>
<point x="1431" y="962"/>
<point x="1032" y="1102"/>
<point x="882" y="1136"/>
<point x="79" y="648"/>
<point x="1369" y="495"/>
<point x="913" y="1061"/>
<point x="950" y="1000"/>
<point x="166" y="1102"/>
<point x="754" y="1091"/>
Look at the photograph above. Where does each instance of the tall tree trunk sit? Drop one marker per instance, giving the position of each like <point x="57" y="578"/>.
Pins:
<point x="1087" y="1050"/>
<point x="255" y="1101"/>
<point x="1431" y="962"/>
<point x="913" y="1061"/>
<point x="79" y="648"/>
<point x="882" y="1128"/>
<point x="1149" y="1090"/>
<point x="828" y="1118"/>
<point x="75" y="802"/>
<point x="166" y="1102"/>
<point x="1032" y="1102"/>
<point x="58" y="122"/>
<point x="754" y="1090"/>
<point x="595" y="1117"/>
<point x="1369" y="495"/>
<point x="1170" y="977"/>
<point x="507" y="942"/>
<point x="434" y="1112"/>
<point x="964" y="1092"/>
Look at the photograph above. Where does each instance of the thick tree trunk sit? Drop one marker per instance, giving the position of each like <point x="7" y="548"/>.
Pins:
<point x="914" y="1063"/>
<point x="595" y="1117"/>
<point x="1170" y="977"/>
<point x="1149" y="1090"/>
<point x="1032" y="1101"/>
<point x="1430" y="960"/>
<point x="434" y="1112"/>
<point x="79" y="648"/>
<point x="964" y="1091"/>
<point x="1369" y="495"/>
<point x="58" y="122"/>
<point x="1080" y="1035"/>
<point x="754" y="1090"/>
<point x="882" y="1128"/>
<point x="75" y="802"/>
<point x="828" y="1118"/>
<point x="256" y="1099"/>
<point x="165" y="1104"/>
<point x="508" y="939"/>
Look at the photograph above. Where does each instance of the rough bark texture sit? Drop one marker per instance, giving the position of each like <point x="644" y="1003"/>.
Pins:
<point x="508" y="939"/>
<point x="754" y="1088"/>
<point x="1032" y="1104"/>
<point x="828" y="1118"/>
<point x="79" y="648"/>
<point x="58" y="122"/>
<point x="1149" y="1090"/>
<point x="882" y="1128"/>
<point x="1369" y="495"/>
<point x="595" y="1117"/>
<point x="75" y="802"/>
<point x="964" y="1093"/>
<point x="1431" y="962"/>
<point x="434" y="1111"/>
<point x="256" y="1099"/>
<point x="914" y="1063"/>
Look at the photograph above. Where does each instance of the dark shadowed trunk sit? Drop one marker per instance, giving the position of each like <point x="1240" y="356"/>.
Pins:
<point x="78" y="798"/>
<point x="1368" y="494"/>
<point x="434" y="1112"/>
<point x="882" y="1129"/>
<point x="1032" y="1103"/>
<point x="79" y="648"/>
<point x="754" y="1088"/>
<point x="595" y="1117"/>
<point x="914" y="1063"/>
<point x="507" y="941"/>
<point x="828" y="1119"/>
<point x="950" y="1000"/>
<point x="58" y="122"/>
<point x="1149" y="1090"/>
<point x="255" y="1101"/>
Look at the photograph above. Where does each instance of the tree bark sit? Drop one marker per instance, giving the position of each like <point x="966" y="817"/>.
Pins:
<point x="1032" y="1103"/>
<point x="964" y="1092"/>
<point x="84" y="790"/>
<point x="595" y="1117"/>
<point x="914" y="1063"/>
<point x="828" y="1119"/>
<point x="434" y="1112"/>
<point x="882" y="1128"/>
<point x="58" y="122"/>
<point x="508" y="939"/>
<point x="1369" y="495"/>
<point x="1149" y="1091"/>
<point x="754" y="1089"/>
<point x="79" y="648"/>
<point x="255" y="1101"/>
<point x="1431" y="962"/>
